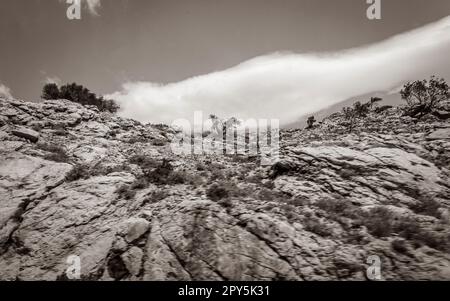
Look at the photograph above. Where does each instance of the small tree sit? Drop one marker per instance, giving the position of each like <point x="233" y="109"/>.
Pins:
<point x="361" y="110"/>
<point x="311" y="120"/>
<point x="373" y="101"/>
<point x="350" y="116"/>
<point x="423" y="96"/>
<point x="50" y="91"/>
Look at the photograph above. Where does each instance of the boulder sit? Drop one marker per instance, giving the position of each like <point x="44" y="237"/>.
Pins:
<point x="134" y="228"/>
<point x="133" y="260"/>
<point x="441" y="134"/>
<point x="26" y="133"/>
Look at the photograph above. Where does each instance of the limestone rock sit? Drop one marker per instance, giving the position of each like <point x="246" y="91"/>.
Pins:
<point x="95" y="187"/>
<point x="441" y="134"/>
<point x="134" y="228"/>
<point x="28" y="134"/>
<point x="133" y="260"/>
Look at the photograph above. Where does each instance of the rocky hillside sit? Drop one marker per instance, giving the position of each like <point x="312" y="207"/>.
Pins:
<point x="75" y="181"/>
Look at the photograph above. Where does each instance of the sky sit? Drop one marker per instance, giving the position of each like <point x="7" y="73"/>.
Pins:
<point x="163" y="59"/>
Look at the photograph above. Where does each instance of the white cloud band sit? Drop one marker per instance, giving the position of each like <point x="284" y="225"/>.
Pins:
<point x="287" y="86"/>
<point x="5" y="91"/>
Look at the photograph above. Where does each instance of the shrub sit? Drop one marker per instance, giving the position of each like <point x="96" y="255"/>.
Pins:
<point x="379" y="222"/>
<point x="409" y="229"/>
<point x="360" y="109"/>
<point x="311" y="120"/>
<point x="156" y="196"/>
<point x="200" y="166"/>
<point x="126" y="192"/>
<point x="159" y="142"/>
<point x="217" y="192"/>
<point x="164" y="174"/>
<point x="79" y="171"/>
<point x="337" y="208"/>
<point x="351" y="114"/>
<point x="266" y="194"/>
<point x="314" y="225"/>
<point x="50" y="91"/>
<point x="61" y="132"/>
<point x="399" y="245"/>
<point x="129" y="191"/>
<point x="382" y="109"/>
<point x="54" y="153"/>
<point x="78" y="94"/>
<point x="36" y="127"/>
<point x="281" y="168"/>
<point x="102" y="170"/>
<point x="427" y="206"/>
<point x="373" y="101"/>
<point x="143" y="161"/>
<point x="423" y="96"/>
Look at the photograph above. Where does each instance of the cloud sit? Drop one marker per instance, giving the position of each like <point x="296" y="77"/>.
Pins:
<point x="287" y="85"/>
<point x="53" y="80"/>
<point x="5" y="92"/>
<point x="93" y="6"/>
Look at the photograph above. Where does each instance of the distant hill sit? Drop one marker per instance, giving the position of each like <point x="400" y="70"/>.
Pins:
<point x="393" y="99"/>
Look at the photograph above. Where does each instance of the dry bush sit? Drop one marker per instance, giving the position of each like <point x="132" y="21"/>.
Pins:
<point x="145" y="162"/>
<point x="79" y="171"/>
<point x="314" y="225"/>
<point x="426" y="205"/>
<point x="55" y="153"/>
<point x="126" y="192"/>
<point x="217" y="192"/>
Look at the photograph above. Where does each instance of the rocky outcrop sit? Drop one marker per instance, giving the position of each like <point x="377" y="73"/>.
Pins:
<point x="28" y="134"/>
<point x="100" y="187"/>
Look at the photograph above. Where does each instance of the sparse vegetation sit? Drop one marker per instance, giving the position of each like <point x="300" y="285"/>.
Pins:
<point x="381" y="109"/>
<point x="224" y="189"/>
<point x="338" y="207"/>
<point x="399" y="245"/>
<point x="217" y="192"/>
<point x="156" y="196"/>
<point x="145" y="162"/>
<point x="410" y="229"/>
<point x="379" y="221"/>
<point x="155" y="172"/>
<point x="79" y="94"/>
<point x="60" y="130"/>
<point x="54" y="153"/>
<point x="423" y="96"/>
<point x="310" y="122"/>
<point x="352" y="114"/>
<point x="126" y="192"/>
<point x="164" y="174"/>
<point x="359" y="110"/>
<point x="373" y="101"/>
<point x="382" y="223"/>
<point x="315" y="225"/>
<point x="426" y="205"/>
<point x="381" y="190"/>
<point x="79" y="171"/>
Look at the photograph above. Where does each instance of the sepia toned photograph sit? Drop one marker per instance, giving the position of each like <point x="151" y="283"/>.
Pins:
<point x="224" y="140"/>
